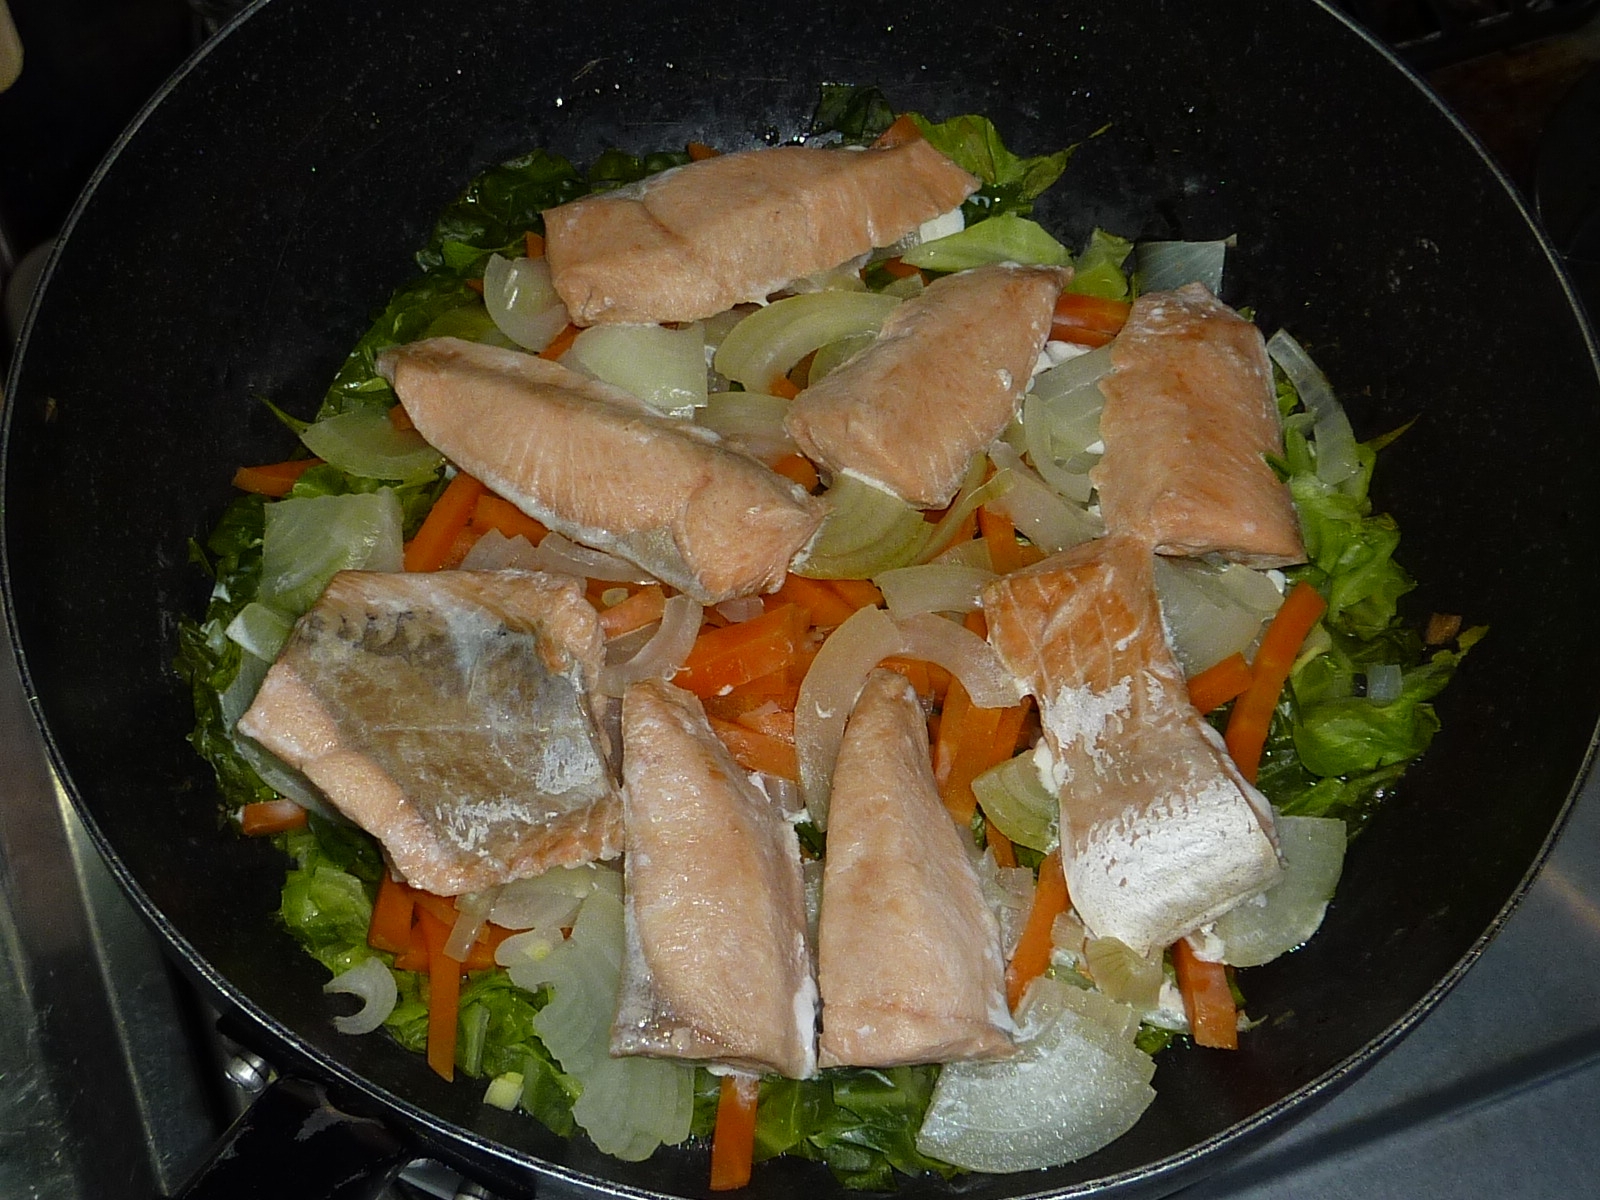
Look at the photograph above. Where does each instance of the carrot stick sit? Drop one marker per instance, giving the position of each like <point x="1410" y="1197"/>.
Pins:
<point x="699" y="151"/>
<point x="561" y="343"/>
<point x="271" y="816"/>
<point x="1219" y="683"/>
<point x="400" y="418"/>
<point x="1207" y="999"/>
<point x="1005" y="552"/>
<point x="1032" y="954"/>
<point x="770" y="720"/>
<point x="1251" y="717"/>
<point x="475" y="285"/>
<point x="900" y="270"/>
<point x="390" y="928"/>
<point x="1005" y="854"/>
<point x="826" y="606"/>
<point x="491" y="512"/>
<point x="415" y="956"/>
<point x="1088" y="320"/>
<point x="733" y="1140"/>
<point x="640" y="609"/>
<point x="273" y="479"/>
<point x="757" y="751"/>
<point x="480" y="955"/>
<point x="533" y="244"/>
<point x="783" y="387"/>
<point x="443" y="908"/>
<point x="858" y="593"/>
<point x="444" y="994"/>
<point x="799" y="468"/>
<point x="902" y="131"/>
<point x="915" y="671"/>
<point x="725" y="658"/>
<point x="974" y="743"/>
<point x="447" y="518"/>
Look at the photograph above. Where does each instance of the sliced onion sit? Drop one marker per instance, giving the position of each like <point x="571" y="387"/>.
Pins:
<point x="666" y="368"/>
<point x="1337" y="459"/>
<point x="1061" y="420"/>
<point x="743" y="608"/>
<point x="974" y="493"/>
<point x="1041" y="514"/>
<point x="374" y="983"/>
<point x="663" y="654"/>
<point x="555" y="553"/>
<point x="548" y="900"/>
<point x="1163" y="266"/>
<point x="1211" y="612"/>
<point x="522" y="301"/>
<point x="260" y="629"/>
<point x="868" y="530"/>
<point x="785" y="793"/>
<point x="750" y="420"/>
<point x="964" y="654"/>
<point x="472" y="911"/>
<point x="528" y="947"/>
<point x="366" y="443"/>
<point x="828" y="693"/>
<point x="835" y="354"/>
<point x="1291" y="910"/>
<point x="1014" y="797"/>
<point x="972" y="553"/>
<point x="494" y="551"/>
<point x="932" y="588"/>
<point x="771" y="340"/>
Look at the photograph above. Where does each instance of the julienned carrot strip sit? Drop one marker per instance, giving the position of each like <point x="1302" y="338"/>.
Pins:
<point x="640" y="609"/>
<point x="1219" y="683"/>
<point x="415" y="956"/>
<point x="781" y="687"/>
<point x="916" y="671"/>
<point x="902" y="131"/>
<point x="858" y="593"/>
<point x="900" y="270"/>
<point x="1005" y="854"/>
<point x="771" y="720"/>
<point x="491" y="512"/>
<point x="447" y="518"/>
<point x="533" y="244"/>
<point x="400" y="418"/>
<point x="799" y="469"/>
<point x="271" y="816"/>
<point x="561" y="343"/>
<point x="444" y="995"/>
<point x="1207" y="999"/>
<point x="757" y="751"/>
<point x="699" y="151"/>
<point x="1005" y="552"/>
<point x="1032" y="955"/>
<point x="826" y="606"/>
<point x="273" y="479"/>
<point x="733" y="1139"/>
<point x="783" y="387"/>
<point x="1251" y="717"/>
<point x="728" y="657"/>
<point x="390" y="928"/>
<point x="1088" y="320"/>
<point x="974" y="754"/>
<point x="480" y="956"/>
<point x="475" y="285"/>
<point x="442" y="907"/>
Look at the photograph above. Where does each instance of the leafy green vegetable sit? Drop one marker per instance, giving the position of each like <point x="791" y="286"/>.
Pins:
<point x="617" y="168"/>
<point x="858" y="114"/>
<point x="1005" y="238"/>
<point x="1098" y="271"/>
<point x="496" y="209"/>
<point x="1010" y="183"/>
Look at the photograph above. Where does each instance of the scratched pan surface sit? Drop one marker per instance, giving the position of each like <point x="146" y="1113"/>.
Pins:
<point x="241" y="237"/>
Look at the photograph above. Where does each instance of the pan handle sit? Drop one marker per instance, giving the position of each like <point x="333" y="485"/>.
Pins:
<point x="292" y="1141"/>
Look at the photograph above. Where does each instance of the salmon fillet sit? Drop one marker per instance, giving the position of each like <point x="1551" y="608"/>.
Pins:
<point x="943" y="379"/>
<point x="1159" y="831"/>
<point x="594" y="464"/>
<point x="1189" y="419"/>
<point x="716" y="965"/>
<point x="696" y="240"/>
<point x="452" y="715"/>
<point x="909" y="959"/>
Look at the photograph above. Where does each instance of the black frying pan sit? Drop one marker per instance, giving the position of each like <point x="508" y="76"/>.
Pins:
<point x="242" y="235"/>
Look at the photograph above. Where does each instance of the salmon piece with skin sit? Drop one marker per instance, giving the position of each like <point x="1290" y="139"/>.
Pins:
<point x="717" y="965"/>
<point x="453" y="715"/>
<point x="1160" y="833"/>
<point x="1189" y="419"/>
<point x="595" y="465"/>
<point x="697" y="240"/>
<point x="939" y="385"/>
<point x="909" y="960"/>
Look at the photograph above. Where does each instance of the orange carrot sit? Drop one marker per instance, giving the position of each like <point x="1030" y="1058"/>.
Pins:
<point x="899" y="269"/>
<point x="915" y="671"/>
<point x="443" y="908"/>
<point x="1005" y="552"/>
<point x="725" y="658"/>
<point x="971" y="741"/>
<point x="858" y="593"/>
<point x="781" y="687"/>
<point x="400" y="418"/>
<point x="561" y="343"/>
<point x="733" y="1140"/>
<point x="415" y="956"/>
<point x="390" y="928"/>
<point x="1005" y="854"/>
<point x="491" y="512"/>
<point x="447" y="518"/>
<point x="1207" y="999"/>
<point x="271" y="816"/>
<point x="1251" y="717"/>
<point x="699" y="151"/>
<point x="640" y="609"/>
<point x="826" y="606"/>
<point x="1219" y="683"/>
<point x="480" y="955"/>
<point x="475" y="285"/>
<point x="757" y="751"/>
<point x="274" y="479"/>
<point x="783" y="387"/>
<point x="902" y="131"/>
<point x="444" y="994"/>
<point x="1088" y="320"/>
<point x="1032" y="954"/>
<point x="533" y="244"/>
<point x="798" y="468"/>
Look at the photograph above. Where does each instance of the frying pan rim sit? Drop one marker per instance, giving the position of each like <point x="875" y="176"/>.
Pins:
<point x="418" y="1118"/>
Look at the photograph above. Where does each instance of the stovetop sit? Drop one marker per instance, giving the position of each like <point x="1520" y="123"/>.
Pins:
<point x="116" y="1084"/>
